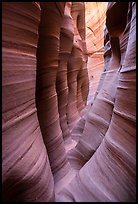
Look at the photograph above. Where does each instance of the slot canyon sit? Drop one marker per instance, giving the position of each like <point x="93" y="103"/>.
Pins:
<point x="69" y="101"/>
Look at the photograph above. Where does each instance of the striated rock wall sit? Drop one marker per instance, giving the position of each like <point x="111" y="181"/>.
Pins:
<point x="77" y="76"/>
<point x="35" y="82"/>
<point x="55" y="147"/>
<point x="26" y="173"/>
<point x="105" y="156"/>
<point x="95" y="24"/>
<point x="46" y="97"/>
<point x="66" y="45"/>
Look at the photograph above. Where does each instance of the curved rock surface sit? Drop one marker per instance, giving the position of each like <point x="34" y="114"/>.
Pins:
<point x="26" y="173"/>
<point x="95" y="24"/>
<point x="64" y="136"/>
<point x="66" y="45"/>
<point x="110" y="171"/>
<point x="46" y="95"/>
<point x="77" y="76"/>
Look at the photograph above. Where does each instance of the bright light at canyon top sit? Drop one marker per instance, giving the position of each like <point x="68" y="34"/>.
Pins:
<point x="95" y="16"/>
<point x="95" y="24"/>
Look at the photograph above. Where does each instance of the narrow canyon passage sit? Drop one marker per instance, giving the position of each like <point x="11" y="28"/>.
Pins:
<point x="68" y="101"/>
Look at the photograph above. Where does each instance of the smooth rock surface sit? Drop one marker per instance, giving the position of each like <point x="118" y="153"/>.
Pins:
<point x="66" y="137"/>
<point x="26" y="173"/>
<point x="110" y="173"/>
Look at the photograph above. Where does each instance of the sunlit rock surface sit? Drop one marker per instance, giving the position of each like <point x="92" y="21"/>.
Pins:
<point x="57" y="57"/>
<point x="95" y="24"/>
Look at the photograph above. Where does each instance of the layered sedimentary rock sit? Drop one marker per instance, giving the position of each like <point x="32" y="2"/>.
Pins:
<point x="46" y="96"/>
<point x="78" y="81"/>
<point x="44" y="112"/>
<point x="66" y="45"/>
<point x="95" y="24"/>
<point x="110" y="173"/>
<point x="26" y="173"/>
<point x="77" y="77"/>
<point x="100" y="113"/>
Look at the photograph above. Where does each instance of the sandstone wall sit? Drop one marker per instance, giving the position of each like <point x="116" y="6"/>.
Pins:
<point x="55" y="147"/>
<point x="26" y="173"/>
<point x="105" y="155"/>
<point x="95" y="24"/>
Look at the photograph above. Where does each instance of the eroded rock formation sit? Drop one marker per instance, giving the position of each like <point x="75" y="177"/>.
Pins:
<point x="95" y="24"/>
<point x="110" y="173"/>
<point x="66" y="45"/>
<point x="78" y="85"/>
<point x="46" y="96"/>
<point x="55" y="147"/>
<point x="26" y="173"/>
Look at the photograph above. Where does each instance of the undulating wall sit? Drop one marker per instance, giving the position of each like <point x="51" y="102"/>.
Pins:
<point x="26" y="173"/>
<point x="55" y="147"/>
<point x="46" y="96"/>
<point x="105" y="155"/>
<point x="95" y="24"/>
